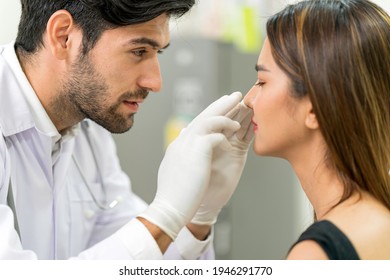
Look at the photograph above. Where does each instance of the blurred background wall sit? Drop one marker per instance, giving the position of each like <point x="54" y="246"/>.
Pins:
<point x="212" y="53"/>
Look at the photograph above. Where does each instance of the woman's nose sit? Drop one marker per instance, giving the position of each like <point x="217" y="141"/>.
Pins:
<point x="250" y="97"/>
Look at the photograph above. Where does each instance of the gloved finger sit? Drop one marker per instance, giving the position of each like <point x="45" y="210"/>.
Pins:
<point x="215" y="124"/>
<point x="249" y="134"/>
<point x="221" y="106"/>
<point x="242" y="114"/>
<point x="246" y="126"/>
<point x="217" y="140"/>
<point x="233" y="112"/>
<point x="246" y="133"/>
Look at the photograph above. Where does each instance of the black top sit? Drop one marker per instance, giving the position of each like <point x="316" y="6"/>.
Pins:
<point x="332" y="240"/>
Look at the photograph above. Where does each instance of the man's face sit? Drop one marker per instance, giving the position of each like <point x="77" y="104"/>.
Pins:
<point x="108" y="84"/>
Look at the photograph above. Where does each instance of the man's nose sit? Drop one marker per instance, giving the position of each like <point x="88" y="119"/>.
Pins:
<point x="150" y="78"/>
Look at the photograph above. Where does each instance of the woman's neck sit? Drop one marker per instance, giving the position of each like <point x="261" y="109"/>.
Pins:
<point x="319" y="181"/>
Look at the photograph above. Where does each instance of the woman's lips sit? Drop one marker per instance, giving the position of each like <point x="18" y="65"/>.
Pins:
<point x="254" y="125"/>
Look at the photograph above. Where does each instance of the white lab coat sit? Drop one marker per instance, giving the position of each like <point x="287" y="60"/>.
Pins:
<point x="57" y="216"/>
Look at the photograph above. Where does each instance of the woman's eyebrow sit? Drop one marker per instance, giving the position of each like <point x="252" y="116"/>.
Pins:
<point x="260" y="67"/>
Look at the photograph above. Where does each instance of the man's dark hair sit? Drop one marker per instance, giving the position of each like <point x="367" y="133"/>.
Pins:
<point x="92" y="16"/>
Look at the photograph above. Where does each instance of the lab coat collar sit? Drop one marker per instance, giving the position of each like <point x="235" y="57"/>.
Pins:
<point x="15" y="115"/>
<point x="21" y="108"/>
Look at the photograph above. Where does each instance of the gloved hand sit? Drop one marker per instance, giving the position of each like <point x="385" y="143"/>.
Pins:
<point x="226" y="167"/>
<point x="184" y="172"/>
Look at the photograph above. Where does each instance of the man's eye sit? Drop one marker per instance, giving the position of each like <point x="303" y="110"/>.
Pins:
<point x="139" y="53"/>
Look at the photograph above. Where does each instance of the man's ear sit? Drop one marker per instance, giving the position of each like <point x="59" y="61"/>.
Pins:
<point x="59" y="29"/>
<point x="311" y="121"/>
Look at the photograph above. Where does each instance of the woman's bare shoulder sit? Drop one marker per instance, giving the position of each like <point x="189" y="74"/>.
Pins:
<point x="366" y="223"/>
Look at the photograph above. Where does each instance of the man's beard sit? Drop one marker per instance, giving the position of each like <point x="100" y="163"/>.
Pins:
<point x="85" y="94"/>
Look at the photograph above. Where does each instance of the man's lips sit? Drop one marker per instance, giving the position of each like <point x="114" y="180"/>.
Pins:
<point x="133" y="105"/>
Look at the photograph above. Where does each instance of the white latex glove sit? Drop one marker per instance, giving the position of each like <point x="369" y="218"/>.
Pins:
<point x="185" y="170"/>
<point x="226" y="167"/>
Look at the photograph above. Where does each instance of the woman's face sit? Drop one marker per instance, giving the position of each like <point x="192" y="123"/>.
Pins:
<point x="279" y="118"/>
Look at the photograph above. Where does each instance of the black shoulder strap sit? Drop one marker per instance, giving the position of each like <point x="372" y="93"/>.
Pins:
<point x="331" y="239"/>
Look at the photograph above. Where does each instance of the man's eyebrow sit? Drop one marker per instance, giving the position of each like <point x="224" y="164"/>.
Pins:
<point x="260" y="67"/>
<point x="143" y="40"/>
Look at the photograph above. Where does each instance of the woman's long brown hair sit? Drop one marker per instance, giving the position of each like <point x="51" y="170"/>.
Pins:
<point x="338" y="53"/>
